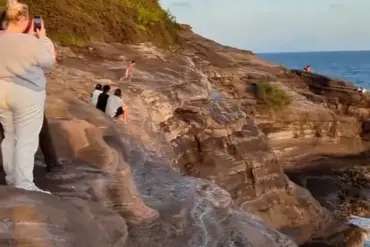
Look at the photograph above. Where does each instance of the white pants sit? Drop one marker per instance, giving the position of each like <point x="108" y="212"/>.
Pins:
<point x="21" y="114"/>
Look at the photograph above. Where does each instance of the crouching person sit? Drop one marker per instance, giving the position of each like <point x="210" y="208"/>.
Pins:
<point x="115" y="106"/>
<point x="24" y="57"/>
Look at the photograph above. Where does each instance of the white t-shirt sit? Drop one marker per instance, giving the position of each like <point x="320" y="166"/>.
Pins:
<point x="95" y="96"/>
<point x="114" y="102"/>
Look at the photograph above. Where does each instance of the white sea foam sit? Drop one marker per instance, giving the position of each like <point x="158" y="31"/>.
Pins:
<point x="364" y="223"/>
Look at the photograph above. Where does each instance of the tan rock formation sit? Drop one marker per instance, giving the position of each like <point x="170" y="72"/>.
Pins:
<point x="97" y="180"/>
<point x="35" y="219"/>
<point x="192" y="116"/>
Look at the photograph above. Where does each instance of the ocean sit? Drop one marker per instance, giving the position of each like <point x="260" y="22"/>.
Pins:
<point x="351" y="66"/>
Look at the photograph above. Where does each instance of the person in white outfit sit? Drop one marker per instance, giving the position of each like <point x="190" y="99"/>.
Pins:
<point x="115" y="107"/>
<point x="95" y="95"/>
<point x="24" y="57"/>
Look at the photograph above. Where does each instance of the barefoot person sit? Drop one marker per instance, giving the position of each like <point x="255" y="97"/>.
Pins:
<point x="129" y="70"/>
<point x="24" y="58"/>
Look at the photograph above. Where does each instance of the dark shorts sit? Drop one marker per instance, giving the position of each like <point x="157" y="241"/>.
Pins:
<point x="119" y="112"/>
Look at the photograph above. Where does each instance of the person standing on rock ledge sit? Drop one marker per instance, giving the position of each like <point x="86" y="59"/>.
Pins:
<point x="128" y="72"/>
<point x="45" y="140"/>
<point x="24" y="58"/>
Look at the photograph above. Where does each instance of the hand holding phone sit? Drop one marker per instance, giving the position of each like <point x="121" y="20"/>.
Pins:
<point x="38" y="26"/>
<point x="37" y="22"/>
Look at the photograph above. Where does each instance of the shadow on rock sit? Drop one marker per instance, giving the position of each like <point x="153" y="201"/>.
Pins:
<point x="340" y="183"/>
<point x="352" y="236"/>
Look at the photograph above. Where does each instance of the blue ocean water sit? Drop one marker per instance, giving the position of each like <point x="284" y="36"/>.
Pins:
<point x="351" y="66"/>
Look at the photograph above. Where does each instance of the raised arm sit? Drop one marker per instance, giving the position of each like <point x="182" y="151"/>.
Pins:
<point x="45" y="56"/>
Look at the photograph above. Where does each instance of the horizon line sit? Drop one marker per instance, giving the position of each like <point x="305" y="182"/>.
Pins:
<point x="317" y="51"/>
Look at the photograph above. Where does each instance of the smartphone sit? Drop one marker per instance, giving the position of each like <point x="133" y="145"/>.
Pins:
<point x="37" y="22"/>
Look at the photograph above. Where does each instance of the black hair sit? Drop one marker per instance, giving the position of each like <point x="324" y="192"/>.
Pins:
<point x="118" y="92"/>
<point x="106" y="88"/>
<point x="98" y="87"/>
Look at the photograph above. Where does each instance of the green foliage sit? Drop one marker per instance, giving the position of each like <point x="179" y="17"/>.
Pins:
<point x="272" y="96"/>
<point x="77" y="22"/>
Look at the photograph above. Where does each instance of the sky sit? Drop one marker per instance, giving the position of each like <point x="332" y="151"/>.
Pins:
<point x="278" y="25"/>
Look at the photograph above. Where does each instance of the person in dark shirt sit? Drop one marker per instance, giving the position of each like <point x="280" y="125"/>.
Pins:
<point x="103" y="98"/>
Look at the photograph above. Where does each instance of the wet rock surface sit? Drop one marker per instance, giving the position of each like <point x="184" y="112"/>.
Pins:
<point x="199" y="162"/>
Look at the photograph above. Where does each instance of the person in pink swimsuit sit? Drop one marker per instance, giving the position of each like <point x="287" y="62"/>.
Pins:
<point x="128" y="74"/>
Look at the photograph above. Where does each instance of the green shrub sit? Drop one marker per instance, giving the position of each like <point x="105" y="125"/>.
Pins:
<point x="80" y="21"/>
<point x="272" y="96"/>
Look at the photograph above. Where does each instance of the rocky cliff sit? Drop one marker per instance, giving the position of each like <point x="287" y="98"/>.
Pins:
<point x="201" y="160"/>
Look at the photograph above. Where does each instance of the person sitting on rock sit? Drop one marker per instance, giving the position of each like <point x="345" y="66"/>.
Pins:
<point x="103" y="98"/>
<point x="94" y="96"/>
<point x="307" y="68"/>
<point x="115" y="106"/>
<point x="128" y="73"/>
<point x="25" y="55"/>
